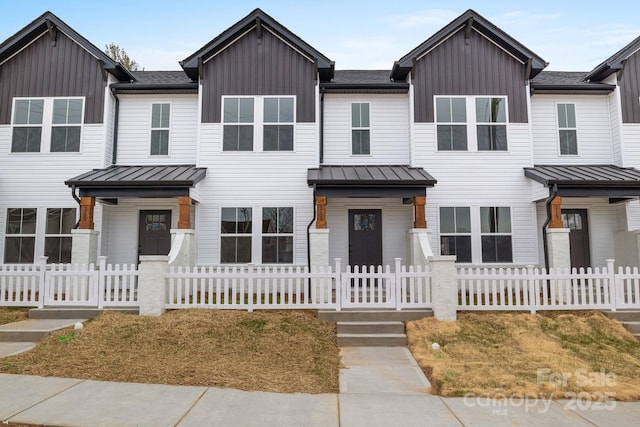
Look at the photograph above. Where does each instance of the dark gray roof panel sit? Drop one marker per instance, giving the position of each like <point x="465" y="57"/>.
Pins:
<point x="147" y="176"/>
<point x="374" y="175"/>
<point x="361" y="76"/>
<point x="567" y="82"/>
<point x="364" y="81"/>
<point x="584" y="175"/>
<point x="161" y="77"/>
<point x="154" y="82"/>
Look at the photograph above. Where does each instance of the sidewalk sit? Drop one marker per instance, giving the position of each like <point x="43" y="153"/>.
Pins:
<point x="379" y="386"/>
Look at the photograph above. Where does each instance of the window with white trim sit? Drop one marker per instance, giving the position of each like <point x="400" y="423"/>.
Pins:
<point x="27" y="125"/>
<point x="160" y="122"/>
<point x="360" y="129"/>
<point x="238" y="122"/>
<point x="277" y="235"/>
<point x="491" y="119"/>
<point x="57" y="239"/>
<point x="455" y="232"/>
<point x="20" y="236"/>
<point x="495" y="232"/>
<point x="66" y="125"/>
<point x="236" y="227"/>
<point x="567" y="130"/>
<point x="278" y="124"/>
<point x="451" y="124"/>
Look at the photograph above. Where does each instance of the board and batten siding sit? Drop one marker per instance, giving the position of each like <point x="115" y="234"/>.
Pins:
<point x="43" y="70"/>
<point x="397" y="220"/>
<point x="256" y="180"/>
<point x="478" y="67"/>
<point x="481" y="179"/>
<point x="389" y="129"/>
<point x="134" y="129"/>
<point x="593" y="124"/>
<point x="630" y="90"/>
<point x="252" y="66"/>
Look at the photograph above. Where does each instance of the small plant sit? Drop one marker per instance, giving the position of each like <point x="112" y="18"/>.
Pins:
<point x="254" y="324"/>
<point x="67" y="338"/>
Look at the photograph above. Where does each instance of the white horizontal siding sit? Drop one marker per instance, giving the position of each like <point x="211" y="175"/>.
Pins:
<point x="481" y="179"/>
<point x="397" y="220"/>
<point x="389" y="131"/>
<point x="593" y="121"/>
<point x="631" y="136"/>
<point x="254" y="179"/>
<point x="134" y="129"/>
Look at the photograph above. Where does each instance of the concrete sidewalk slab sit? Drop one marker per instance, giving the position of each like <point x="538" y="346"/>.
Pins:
<point x="228" y="407"/>
<point x="373" y="410"/>
<point x="11" y="348"/>
<point x="605" y="414"/>
<point x="109" y="403"/>
<point x="21" y="392"/>
<point x="375" y="356"/>
<point x="41" y="325"/>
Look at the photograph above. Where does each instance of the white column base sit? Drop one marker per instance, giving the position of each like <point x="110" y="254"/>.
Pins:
<point x="319" y="251"/>
<point x="558" y="248"/>
<point x="419" y="246"/>
<point x="444" y="287"/>
<point x="84" y="246"/>
<point x="152" y="288"/>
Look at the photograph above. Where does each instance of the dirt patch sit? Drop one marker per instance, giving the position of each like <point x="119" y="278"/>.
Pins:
<point x="288" y="351"/>
<point x="13" y="314"/>
<point x="555" y="355"/>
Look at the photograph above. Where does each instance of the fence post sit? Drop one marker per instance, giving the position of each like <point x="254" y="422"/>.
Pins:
<point x="534" y="293"/>
<point x="338" y="279"/>
<point x="398" y="284"/>
<point x="613" y="288"/>
<point x="250" y="277"/>
<point x="152" y="287"/>
<point x="101" y="278"/>
<point x="444" y="287"/>
<point x="42" y="278"/>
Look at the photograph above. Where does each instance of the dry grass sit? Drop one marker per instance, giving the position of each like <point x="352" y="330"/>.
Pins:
<point x="500" y="354"/>
<point x="13" y="314"/>
<point x="288" y="351"/>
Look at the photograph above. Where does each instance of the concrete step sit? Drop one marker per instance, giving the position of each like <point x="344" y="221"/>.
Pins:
<point x="393" y="327"/>
<point x="11" y="348"/>
<point x="73" y="312"/>
<point x="624" y="315"/>
<point x="32" y="330"/>
<point x="633" y="327"/>
<point x="372" y="340"/>
<point x="372" y="315"/>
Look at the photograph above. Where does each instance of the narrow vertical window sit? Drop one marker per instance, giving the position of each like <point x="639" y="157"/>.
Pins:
<point x="455" y="232"/>
<point x="20" y="236"/>
<point x="491" y="119"/>
<point x="27" y="125"/>
<point x="451" y="124"/>
<point x="238" y="119"/>
<point x="57" y="240"/>
<point x="160" y="123"/>
<point x="495" y="229"/>
<point x="278" y="124"/>
<point x="66" y="125"/>
<point x="360" y="129"/>
<point x="567" y="131"/>
<point x="236" y="228"/>
<point x="277" y="235"/>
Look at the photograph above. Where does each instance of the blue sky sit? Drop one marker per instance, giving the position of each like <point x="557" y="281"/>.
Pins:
<point x="355" y="34"/>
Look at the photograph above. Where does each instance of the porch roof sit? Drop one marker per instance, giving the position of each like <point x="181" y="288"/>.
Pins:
<point x="138" y="181"/>
<point x="587" y="180"/>
<point x="370" y="180"/>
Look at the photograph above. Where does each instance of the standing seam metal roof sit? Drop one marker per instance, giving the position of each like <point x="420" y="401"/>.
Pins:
<point x="379" y="175"/>
<point x="164" y="175"/>
<point x="584" y="175"/>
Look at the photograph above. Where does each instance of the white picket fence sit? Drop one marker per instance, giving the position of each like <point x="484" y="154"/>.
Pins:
<point x="252" y="288"/>
<point x="39" y="285"/>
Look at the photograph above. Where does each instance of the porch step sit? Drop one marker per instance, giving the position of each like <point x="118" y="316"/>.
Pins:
<point x="349" y="315"/>
<point x="372" y="340"/>
<point x="74" y="312"/>
<point x="624" y="315"/>
<point x="32" y="330"/>
<point x="633" y="327"/>
<point x="393" y="327"/>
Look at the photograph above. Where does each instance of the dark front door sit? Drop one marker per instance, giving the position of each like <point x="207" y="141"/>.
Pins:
<point x="576" y="221"/>
<point x="365" y="237"/>
<point x="154" y="236"/>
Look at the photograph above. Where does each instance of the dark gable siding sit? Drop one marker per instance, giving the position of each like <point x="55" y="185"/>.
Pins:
<point x="248" y="67"/>
<point x="42" y="70"/>
<point x="630" y="90"/>
<point x="477" y="68"/>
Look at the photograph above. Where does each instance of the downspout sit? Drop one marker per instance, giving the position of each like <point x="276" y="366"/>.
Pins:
<point x="309" y="229"/>
<point x="114" y="155"/>
<point x="322" y="89"/>
<point x="77" y="199"/>
<point x="554" y="194"/>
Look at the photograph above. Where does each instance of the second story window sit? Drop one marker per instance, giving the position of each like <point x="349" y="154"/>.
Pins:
<point x="238" y="119"/>
<point x="27" y="125"/>
<point x="360" y="129"/>
<point x="66" y="125"/>
<point x="567" y="131"/>
<point x="160" y="119"/>
<point x="278" y="124"/>
<point x="491" y="119"/>
<point x="451" y="123"/>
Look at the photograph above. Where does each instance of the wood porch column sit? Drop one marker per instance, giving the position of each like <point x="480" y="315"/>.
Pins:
<point x="420" y="221"/>
<point x="556" y="213"/>
<point x="321" y="212"/>
<point x="184" y="219"/>
<point x="87" y="205"/>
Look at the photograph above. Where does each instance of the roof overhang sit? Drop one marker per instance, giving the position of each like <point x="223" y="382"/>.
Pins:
<point x="138" y="181"/>
<point x="154" y="89"/>
<point x="587" y="180"/>
<point x="370" y="181"/>
<point x="390" y="87"/>
<point x="593" y="89"/>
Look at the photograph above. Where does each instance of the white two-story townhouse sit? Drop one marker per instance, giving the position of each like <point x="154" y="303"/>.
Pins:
<point x="259" y="152"/>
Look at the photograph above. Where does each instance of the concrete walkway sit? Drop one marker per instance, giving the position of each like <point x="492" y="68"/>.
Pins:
<point x="18" y="337"/>
<point x="379" y="386"/>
